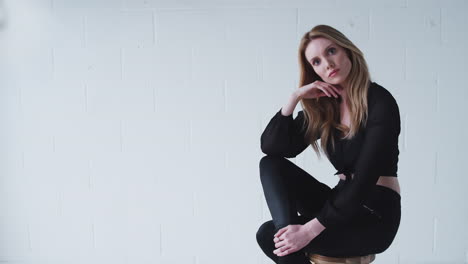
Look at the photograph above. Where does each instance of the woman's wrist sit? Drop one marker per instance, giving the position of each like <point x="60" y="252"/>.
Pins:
<point x="314" y="227"/>
<point x="288" y="109"/>
<point x="297" y="95"/>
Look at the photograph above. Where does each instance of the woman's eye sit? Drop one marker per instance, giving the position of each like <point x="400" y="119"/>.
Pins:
<point x="313" y="62"/>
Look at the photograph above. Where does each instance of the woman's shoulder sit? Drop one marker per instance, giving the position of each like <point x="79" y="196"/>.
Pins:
<point x="383" y="107"/>
<point x="379" y="94"/>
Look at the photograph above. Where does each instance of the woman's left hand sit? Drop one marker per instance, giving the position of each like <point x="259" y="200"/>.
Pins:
<point x="292" y="238"/>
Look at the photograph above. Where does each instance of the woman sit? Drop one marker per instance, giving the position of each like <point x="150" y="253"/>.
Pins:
<point x="358" y="122"/>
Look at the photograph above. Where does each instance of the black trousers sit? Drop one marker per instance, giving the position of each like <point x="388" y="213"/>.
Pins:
<point x="290" y="190"/>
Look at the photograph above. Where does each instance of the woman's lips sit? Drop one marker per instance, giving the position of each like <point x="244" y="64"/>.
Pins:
<point x="333" y="73"/>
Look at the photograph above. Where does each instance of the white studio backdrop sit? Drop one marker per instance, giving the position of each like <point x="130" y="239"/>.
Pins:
<point x="130" y="129"/>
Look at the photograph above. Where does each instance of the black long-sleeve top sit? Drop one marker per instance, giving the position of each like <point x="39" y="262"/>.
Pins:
<point x="372" y="152"/>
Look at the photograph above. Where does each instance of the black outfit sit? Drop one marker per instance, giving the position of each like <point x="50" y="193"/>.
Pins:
<point x="360" y="217"/>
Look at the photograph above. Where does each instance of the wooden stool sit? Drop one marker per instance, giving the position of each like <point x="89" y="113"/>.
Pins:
<point x="319" y="259"/>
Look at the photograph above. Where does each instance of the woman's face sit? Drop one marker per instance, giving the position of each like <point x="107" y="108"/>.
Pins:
<point x="325" y="56"/>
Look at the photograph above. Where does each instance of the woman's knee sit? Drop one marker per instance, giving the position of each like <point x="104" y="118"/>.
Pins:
<point x="271" y="163"/>
<point x="265" y="231"/>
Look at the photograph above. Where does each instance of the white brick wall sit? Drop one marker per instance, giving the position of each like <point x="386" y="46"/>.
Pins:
<point x="131" y="128"/>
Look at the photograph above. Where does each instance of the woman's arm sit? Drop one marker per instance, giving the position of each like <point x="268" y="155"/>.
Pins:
<point x="378" y="154"/>
<point x="289" y="107"/>
<point x="285" y="136"/>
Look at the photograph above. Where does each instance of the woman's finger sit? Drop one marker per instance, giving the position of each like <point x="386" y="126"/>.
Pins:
<point x="337" y="91"/>
<point x="281" y="231"/>
<point x="324" y="90"/>
<point x="284" y="252"/>
<point x="280" y="244"/>
<point x="332" y="91"/>
<point x="281" y="249"/>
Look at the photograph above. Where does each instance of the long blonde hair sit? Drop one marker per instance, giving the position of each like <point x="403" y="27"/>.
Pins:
<point x="322" y="114"/>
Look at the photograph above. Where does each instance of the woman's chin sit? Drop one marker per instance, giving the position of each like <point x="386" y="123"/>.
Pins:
<point x="334" y="82"/>
<point x="337" y="82"/>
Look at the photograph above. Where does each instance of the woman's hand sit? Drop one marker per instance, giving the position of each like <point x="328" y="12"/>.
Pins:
<point x="292" y="238"/>
<point x="319" y="89"/>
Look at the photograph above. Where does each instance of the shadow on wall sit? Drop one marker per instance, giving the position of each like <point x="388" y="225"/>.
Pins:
<point x="2" y="15"/>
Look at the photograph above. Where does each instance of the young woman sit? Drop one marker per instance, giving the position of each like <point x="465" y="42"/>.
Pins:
<point x="358" y="122"/>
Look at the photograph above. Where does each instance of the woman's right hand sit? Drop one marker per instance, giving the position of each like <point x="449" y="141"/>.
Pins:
<point x="319" y="89"/>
